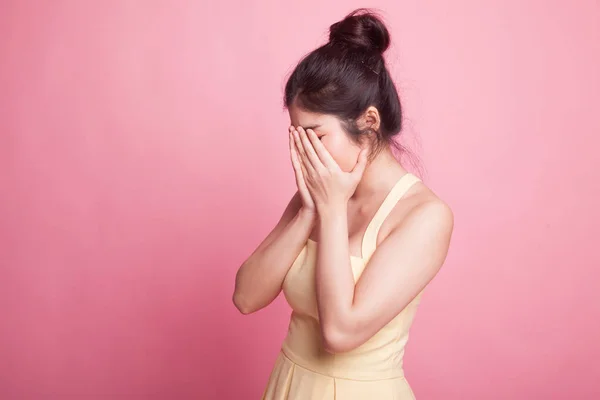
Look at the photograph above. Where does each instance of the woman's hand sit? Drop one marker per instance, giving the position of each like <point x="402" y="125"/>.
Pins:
<point x="329" y="187"/>
<point x="308" y="205"/>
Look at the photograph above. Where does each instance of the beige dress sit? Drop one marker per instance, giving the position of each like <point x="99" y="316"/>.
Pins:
<point x="305" y="371"/>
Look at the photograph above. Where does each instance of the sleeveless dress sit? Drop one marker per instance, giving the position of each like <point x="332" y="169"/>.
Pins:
<point x="305" y="371"/>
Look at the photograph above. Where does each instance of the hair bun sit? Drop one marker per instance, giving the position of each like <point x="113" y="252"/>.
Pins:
<point x="361" y="29"/>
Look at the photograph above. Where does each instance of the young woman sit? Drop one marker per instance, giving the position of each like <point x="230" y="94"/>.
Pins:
<point x="360" y="239"/>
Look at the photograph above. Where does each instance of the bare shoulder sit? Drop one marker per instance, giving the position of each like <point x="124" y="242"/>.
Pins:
<point x="426" y="208"/>
<point x="423" y="209"/>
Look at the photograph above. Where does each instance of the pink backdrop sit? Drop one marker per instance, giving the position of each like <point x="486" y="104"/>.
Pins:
<point x="143" y="156"/>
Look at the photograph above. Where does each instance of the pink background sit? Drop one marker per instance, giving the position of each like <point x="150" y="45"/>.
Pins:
<point x="143" y="156"/>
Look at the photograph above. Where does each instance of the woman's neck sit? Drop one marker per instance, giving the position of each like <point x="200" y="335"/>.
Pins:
<point x="380" y="175"/>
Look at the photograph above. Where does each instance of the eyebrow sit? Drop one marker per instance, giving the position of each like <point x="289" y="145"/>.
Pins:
<point x="313" y="127"/>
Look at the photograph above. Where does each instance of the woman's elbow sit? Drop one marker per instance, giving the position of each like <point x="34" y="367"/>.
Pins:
<point x="242" y="305"/>
<point x="336" y="340"/>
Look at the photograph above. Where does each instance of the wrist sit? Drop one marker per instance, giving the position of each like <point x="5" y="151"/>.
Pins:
<point x="333" y="210"/>
<point x="307" y="213"/>
<point x="332" y="220"/>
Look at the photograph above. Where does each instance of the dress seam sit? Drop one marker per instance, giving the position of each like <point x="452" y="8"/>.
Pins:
<point x="339" y="377"/>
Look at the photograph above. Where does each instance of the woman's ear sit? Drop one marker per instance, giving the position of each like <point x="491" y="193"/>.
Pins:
<point x="369" y="120"/>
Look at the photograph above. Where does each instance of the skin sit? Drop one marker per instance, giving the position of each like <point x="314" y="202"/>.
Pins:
<point x="338" y="194"/>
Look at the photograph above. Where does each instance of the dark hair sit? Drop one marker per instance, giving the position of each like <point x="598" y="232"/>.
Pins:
<point x="347" y="75"/>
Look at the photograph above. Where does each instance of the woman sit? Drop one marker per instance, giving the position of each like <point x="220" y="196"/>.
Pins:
<point x="360" y="239"/>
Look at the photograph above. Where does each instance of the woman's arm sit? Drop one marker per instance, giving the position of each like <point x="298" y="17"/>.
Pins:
<point x="399" y="269"/>
<point x="401" y="266"/>
<point x="259" y="279"/>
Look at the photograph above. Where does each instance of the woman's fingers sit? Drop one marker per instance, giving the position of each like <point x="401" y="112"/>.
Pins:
<point x="304" y="167"/>
<point x="293" y="154"/>
<point x="324" y="156"/>
<point x="302" y="153"/>
<point x="311" y="154"/>
<point x="298" y="168"/>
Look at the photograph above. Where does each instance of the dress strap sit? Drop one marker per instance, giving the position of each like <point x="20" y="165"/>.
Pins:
<point x="369" y="242"/>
